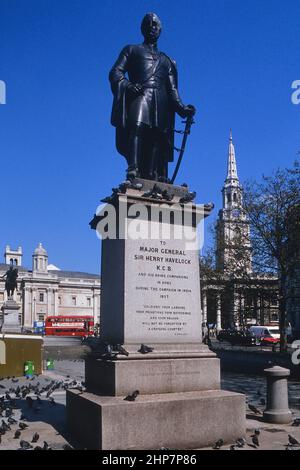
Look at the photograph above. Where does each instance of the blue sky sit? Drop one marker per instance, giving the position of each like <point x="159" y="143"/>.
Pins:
<point x="236" y="60"/>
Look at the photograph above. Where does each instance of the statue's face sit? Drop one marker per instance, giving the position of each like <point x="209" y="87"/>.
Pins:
<point x="151" y="27"/>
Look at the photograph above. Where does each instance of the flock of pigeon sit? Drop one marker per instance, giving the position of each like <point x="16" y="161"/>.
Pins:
<point x="29" y="394"/>
<point x="33" y="397"/>
<point x="154" y="193"/>
<point x="292" y="444"/>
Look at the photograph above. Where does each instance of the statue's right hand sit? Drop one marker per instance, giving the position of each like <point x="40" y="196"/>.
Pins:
<point x="135" y="89"/>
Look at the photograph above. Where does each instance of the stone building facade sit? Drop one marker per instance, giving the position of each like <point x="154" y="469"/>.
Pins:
<point x="46" y="290"/>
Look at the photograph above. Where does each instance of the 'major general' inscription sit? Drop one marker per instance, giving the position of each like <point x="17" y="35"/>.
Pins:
<point x="162" y="301"/>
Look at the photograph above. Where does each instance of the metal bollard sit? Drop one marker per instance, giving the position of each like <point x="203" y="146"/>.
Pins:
<point x="277" y="410"/>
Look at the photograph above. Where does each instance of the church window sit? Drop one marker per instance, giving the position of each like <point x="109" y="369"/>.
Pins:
<point x="234" y="197"/>
<point x="59" y="300"/>
<point x="228" y="197"/>
<point x="41" y="297"/>
<point x="74" y="301"/>
<point x="88" y="301"/>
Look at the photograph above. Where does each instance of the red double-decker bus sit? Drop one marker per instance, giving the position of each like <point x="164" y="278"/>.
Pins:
<point x="69" y="325"/>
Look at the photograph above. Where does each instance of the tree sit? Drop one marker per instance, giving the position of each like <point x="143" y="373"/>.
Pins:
<point x="272" y="206"/>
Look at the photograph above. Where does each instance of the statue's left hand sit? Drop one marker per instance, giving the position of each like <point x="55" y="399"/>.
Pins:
<point x="189" y="110"/>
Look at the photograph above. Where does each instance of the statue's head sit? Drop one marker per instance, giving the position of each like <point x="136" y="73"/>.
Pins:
<point x="151" y="27"/>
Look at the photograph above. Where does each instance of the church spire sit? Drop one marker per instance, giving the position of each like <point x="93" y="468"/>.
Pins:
<point x="232" y="171"/>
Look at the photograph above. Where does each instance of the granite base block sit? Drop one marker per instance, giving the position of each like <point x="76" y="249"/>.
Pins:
<point x="121" y="377"/>
<point x="189" y="420"/>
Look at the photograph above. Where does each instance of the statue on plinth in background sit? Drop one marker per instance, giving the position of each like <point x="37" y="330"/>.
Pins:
<point x="11" y="281"/>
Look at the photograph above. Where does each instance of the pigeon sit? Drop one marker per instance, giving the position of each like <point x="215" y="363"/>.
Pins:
<point x="29" y="402"/>
<point x="123" y="187"/>
<point x="232" y="447"/>
<point x="167" y="196"/>
<point x="121" y="350"/>
<point x="254" y="409"/>
<point x="137" y="186"/>
<point x="296" y="422"/>
<point x="144" y="349"/>
<point x="52" y="402"/>
<point x="23" y="425"/>
<point x="218" y="444"/>
<point x="17" y="434"/>
<point x="133" y="396"/>
<point x="38" y="448"/>
<point x="25" y="445"/>
<point x="45" y="445"/>
<point x="255" y="440"/>
<point x="257" y="432"/>
<point x="240" y="442"/>
<point x="6" y="426"/>
<point x="189" y="197"/>
<point x="35" y="437"/>
<point x="293" y="441"/>
<point x="12" y="420"/>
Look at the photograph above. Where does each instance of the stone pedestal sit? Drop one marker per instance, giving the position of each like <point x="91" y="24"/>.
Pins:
<point x="11" y="322"/>
<point x="150" y="294"/>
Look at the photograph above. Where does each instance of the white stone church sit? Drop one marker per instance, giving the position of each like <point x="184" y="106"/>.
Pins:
<point x="46" y="290"/>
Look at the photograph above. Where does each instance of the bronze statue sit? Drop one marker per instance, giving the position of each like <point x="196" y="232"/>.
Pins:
<point x="11" y="281"/>
<point x="145" y="103"/>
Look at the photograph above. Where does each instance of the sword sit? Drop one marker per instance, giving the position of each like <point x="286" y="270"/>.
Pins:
<point x="187" y="130"/>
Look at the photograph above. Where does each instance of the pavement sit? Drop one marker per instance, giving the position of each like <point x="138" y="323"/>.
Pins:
<point x="46" y="415"/>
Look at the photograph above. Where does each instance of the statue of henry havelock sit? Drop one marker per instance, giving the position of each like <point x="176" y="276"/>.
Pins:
<point x="145" y="102"/>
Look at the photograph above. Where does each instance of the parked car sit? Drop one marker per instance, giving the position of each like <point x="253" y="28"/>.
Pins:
<point x="266" y="334"/>
<point x="235" y="337"/>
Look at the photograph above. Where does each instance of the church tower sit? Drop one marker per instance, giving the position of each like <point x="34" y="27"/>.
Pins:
<point x="233" y="250"/>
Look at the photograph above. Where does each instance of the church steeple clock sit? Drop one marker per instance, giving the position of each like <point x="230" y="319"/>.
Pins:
<point x="233" y="230"/>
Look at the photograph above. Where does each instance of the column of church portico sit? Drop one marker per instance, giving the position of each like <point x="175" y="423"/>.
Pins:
<point x="204" y="307"/>
<point x="242" y="309"/>
<point x="219" y="312"/>
<point x="236" y="298"/>
<point x="260" y="321"/>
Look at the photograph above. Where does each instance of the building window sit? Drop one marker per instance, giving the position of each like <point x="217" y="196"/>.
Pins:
<point x="59" y="300"/>
<point x="89" y="301"/>
<point x="74" y="301"/>
<point x="41" y="317"/>
<point x="228" y="197"/>
<point x="41" y="297"/>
